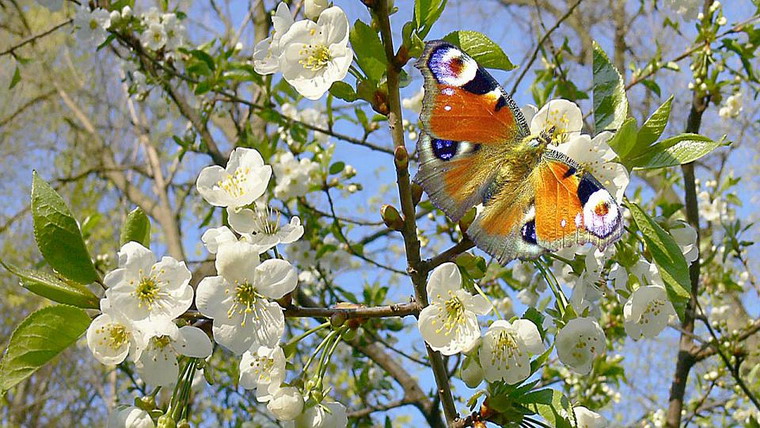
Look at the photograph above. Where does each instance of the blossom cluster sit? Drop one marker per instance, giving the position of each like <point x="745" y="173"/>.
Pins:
<point x="145" y="300"/>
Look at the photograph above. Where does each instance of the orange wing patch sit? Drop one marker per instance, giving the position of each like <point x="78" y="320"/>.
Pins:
<point x="459" y="115"/>
<point x="559" y="211"/>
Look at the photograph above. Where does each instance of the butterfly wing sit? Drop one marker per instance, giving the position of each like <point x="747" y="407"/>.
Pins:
<point x="467" y="119"/>
<point x="572" y="207"/>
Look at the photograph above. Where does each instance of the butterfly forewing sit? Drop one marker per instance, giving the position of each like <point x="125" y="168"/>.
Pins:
<point x="463" y="102"/>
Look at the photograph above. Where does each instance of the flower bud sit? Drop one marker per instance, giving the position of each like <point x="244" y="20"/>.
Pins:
<point x="312" y="8"/>
<point x="338" y="319"/>
<point x="467" y="219"/>
<point x="146" y="403"/>
<point x="166" y="421"/>
<point x="416" y="193"/>
<point x="401" y="157"/>
<point x="286" y="403"/>
<point x="471" y="372"/>
<point x="391" y="217"/>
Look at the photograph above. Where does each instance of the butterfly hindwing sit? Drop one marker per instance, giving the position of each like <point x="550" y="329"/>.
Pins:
<point x="572" y="207"/>
<point x="463" y="102"/>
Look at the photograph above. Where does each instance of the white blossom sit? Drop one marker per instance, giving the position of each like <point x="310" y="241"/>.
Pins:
<point x="596" y="156"/>
<point x="327" y="414"/>
<point x="146" y="291"/>
<point x="243" y="181"/>
<point x="686" y="238"/>
<point x="585" y="418"/>
<point x="687" y="9"/>
<point x="414" y="103"/>
<point x="313" y="8"/>
<point x="647" y="312"/>
<point x="261" y="227"/>
<point x="711" y="210"/>
<point x="267" y="52"/>
<point x="732" y="108"/>
<point x="237" y="299"/>
<point x="112" y="337"/>
<point x="286" y="403"/>
<point x="129" y="417"/>
<point x="217" y="236"/>
<point x="315" y="55"/>
<point x="175" y="31"/>
<point x="92" y="25"/>
<point x="158" y="363"/>
<point x="450" y="324"/>
<point x="262" y="368"/>
<point x="506" y="350"/>
<point x="294" y="177"/>
<point x="562" y="117"/>
<point x="579" y="342"/>
<point x="154" y="37"/>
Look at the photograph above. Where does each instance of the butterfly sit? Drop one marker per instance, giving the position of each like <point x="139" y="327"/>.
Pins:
<point x="476" y="150"/>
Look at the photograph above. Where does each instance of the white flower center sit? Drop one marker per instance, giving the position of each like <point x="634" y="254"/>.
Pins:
<point x="453" y="315"/>
<point x="160" y="343"/>
<point x="147" y="290"/>
<point x="505" y="348"/>
<point x="113" y="335"/>
<point x="266" y="221"/>
<point x="315" y="57"/>
<point x="244" y="301"/>
<point x="652" y="311"/>
<point x="234" y="184"/>
<point x="94" y="24"/>
<point x="262" y="367"/>
<point x="560" y="122"/>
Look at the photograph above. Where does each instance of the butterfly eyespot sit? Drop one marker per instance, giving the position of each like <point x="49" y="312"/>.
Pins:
<point x="602" y="209"/>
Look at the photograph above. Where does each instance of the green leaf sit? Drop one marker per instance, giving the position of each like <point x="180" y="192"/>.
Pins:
<point x="49" y="286"/>
<point x="624" y="140"/>
<point x="667" y="256"/>
<point x="610" y="102"/>
<point x="205" y="57"/>
<point x="343" y="91"/>
<point x="369" y="51"/>
<point x="675" y="151"/>
<point x="38" y="339"/>
<point x="487" y="53"/>
<point x="136" y="228"/>
<point x="652" y="129"/>
<point x="16" y="78"/>
<point x="426" y="12"/>
<point x="58" y="236"/>
<point x="337" y="167"/>
<point x="551" y="404"/>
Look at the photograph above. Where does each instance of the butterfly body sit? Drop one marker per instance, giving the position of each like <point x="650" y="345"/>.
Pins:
<point x="476" y="150"/>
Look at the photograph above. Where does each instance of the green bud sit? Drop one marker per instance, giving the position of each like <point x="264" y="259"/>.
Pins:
<point x="349" y="335"/>
<point x="146" y="403"/>
<point x="166" y="421"/>
<point x="338" y="319"/>
<point x="391" y="217"/>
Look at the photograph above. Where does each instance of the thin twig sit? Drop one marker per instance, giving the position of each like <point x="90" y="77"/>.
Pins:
<point x="11" y="50"/>
<point x="541" y="42"/>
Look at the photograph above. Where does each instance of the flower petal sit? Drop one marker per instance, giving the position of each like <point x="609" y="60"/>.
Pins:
<point x="275" y="278"/>
<point x="193" y="342"/>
